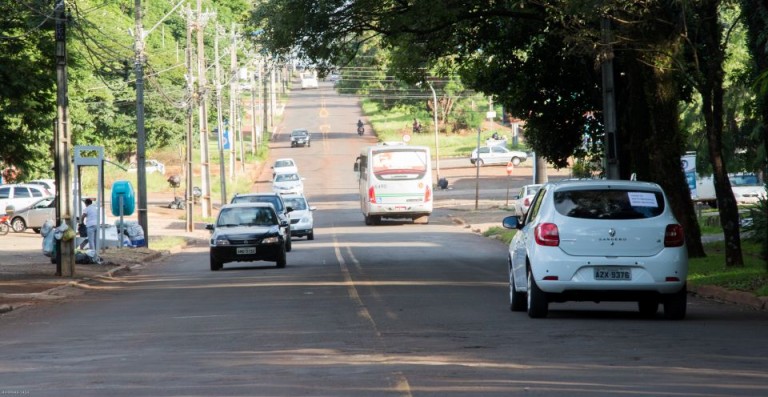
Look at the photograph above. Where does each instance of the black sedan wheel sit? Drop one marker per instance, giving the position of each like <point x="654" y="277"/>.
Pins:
<point x="215" y="265"/>
<point x="281" y="261"/>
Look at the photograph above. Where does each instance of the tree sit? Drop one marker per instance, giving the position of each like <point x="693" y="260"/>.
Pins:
<point x="538" y="60"/>
<point x="27" y="95"/>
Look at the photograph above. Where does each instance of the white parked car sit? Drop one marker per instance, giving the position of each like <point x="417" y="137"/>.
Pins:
<point x="49" y="184"/>
<point x="284" y="166"/>
<point x="150" y="166"/>
<point x="20" y="196"/>
<point x="524" y="198"/>
<point x="302" y="221"/>
<point x="497" y="155"/>
<point x="598" y="240"/>
<point x="288" y="183"/>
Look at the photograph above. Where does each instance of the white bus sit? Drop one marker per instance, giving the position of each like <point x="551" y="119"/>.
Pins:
<point x="395" y="182"/>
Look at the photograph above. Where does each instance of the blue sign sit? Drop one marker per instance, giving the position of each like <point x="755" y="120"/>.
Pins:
<point x="225" y="141"/>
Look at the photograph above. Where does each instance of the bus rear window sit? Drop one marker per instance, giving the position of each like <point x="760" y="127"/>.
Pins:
<point x="399" y="164"/>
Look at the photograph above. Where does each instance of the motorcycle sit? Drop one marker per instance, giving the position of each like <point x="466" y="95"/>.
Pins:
<point x="360" y="130"/>
<point x="5" y="224"/>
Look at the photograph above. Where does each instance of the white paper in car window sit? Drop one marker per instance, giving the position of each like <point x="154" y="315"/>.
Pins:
<point x="641" y="199"/>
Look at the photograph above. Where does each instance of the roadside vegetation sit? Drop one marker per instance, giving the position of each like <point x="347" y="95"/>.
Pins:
<point x="393" y="123"/>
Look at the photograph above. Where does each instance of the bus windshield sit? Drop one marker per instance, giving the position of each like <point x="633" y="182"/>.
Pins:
<point x="399" y="164"/>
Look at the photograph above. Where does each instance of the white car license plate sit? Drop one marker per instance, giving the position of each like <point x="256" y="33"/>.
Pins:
<point x="613" y="273"/>
<point x="246" y="251"/>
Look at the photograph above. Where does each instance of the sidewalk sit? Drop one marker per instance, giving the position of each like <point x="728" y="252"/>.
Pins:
<point x="27" y="276"/>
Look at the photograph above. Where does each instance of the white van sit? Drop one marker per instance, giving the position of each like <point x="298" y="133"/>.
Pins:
<point x="746" y="187"/>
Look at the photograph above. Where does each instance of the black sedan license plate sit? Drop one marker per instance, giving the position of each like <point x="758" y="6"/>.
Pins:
<point x="613" y="273"/>
<point x="246" y="250"/>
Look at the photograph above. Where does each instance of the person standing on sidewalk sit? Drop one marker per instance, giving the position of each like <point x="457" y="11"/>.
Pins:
<point x="91" y="219"/>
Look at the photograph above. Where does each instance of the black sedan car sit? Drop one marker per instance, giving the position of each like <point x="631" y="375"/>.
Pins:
<point x="300" y="137"/>
<point x="247" y="232"/>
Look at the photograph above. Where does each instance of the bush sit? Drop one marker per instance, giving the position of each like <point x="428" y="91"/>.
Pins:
<point x="758" y="227"/>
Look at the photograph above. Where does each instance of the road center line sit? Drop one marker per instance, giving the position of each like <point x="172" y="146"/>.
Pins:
<point x="351" y="288"/>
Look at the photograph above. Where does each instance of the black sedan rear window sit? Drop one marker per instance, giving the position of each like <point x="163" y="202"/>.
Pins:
<point x="609" y="204"/>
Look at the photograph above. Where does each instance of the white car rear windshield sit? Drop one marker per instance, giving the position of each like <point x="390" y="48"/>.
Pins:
<point x="609" y="204"/>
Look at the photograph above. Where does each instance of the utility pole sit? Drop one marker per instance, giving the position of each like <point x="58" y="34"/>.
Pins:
<point x="141" y="138"/>
<point x="202" y="82"/>
<point x="272" y="97"/>
<point x="220" y="120"/>
<point x="252" y="77"/>
<point x="261" y="103"/>
<point x="232" y="101"/>
<point x="190" y="119"/>
<point x="609" y="103"/>
<point x="265" y="115"/>
<point x="65" y="255"/>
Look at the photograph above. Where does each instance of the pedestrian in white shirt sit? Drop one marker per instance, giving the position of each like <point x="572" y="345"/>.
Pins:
<point x="91" y="219"/>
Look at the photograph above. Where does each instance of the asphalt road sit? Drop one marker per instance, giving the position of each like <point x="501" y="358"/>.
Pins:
<point x="391" y="310"/>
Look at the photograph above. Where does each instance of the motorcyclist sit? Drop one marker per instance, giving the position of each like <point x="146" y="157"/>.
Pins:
<point x="360" y="126"/>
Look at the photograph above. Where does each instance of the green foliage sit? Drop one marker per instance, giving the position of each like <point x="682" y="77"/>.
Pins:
<point x="101" y="79"/>
<point x="502" y="234"/>
<point x="711" y="270"/>
<point x="758" y="227"/>
<point x="27" y="92"/>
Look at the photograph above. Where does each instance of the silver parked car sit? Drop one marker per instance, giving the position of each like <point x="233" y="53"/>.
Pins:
<point x="497" y="155"/>
<point x="33" y="216"/>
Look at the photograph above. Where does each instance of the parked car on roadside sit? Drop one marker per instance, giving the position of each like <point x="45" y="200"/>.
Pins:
<point x="598" y="240"/>
<point x="49" y="184"/>
<point x="301" y="137"/>
<point x="497" y="155"/>
<point x="150" y="166"/>
<point x="247" y="232"/>
<point x="302" y="222"/>
<point x="276" y="201"/>
<point x="524" y="198"/>
<point x="20" y="195"/>
<point x="34" y="216"/>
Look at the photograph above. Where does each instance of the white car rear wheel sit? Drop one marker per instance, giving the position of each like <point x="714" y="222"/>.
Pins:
<point x="538" y="307"/>
<point x="517" y="302"/>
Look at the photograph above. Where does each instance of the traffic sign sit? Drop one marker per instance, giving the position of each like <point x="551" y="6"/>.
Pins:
<point x="510" y="168"/>
<point x="406" y="138"/>
<point x="226" y="145"/>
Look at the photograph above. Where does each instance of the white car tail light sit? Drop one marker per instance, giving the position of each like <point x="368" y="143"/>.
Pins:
<point x="674" y="236"/>
<point x="547" y="234"/>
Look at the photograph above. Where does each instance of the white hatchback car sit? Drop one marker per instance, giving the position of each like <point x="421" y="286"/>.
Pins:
<point x="302" y="221"/>
<point x="598" y="240"/>
<point x="288" y="183"/>
<point x="20" y="196"/>
<point x="524" y="198"/>
<point x="284" y="166"/>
